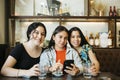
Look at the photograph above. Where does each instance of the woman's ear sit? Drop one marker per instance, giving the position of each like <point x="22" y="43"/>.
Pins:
<point x="53" y="37"/>
<point x="31" y="34"/>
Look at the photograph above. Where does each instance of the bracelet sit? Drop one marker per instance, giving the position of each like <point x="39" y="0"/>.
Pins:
<point x="18" y="72"/>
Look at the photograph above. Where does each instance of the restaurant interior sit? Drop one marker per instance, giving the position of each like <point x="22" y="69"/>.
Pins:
<point x="93" y="17"/>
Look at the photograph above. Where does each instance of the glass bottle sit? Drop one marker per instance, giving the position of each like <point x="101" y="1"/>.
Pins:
<point x="97" y="41"/>
<point x="86" y="36"/>
<point x="60" y="10"/>
<point x="56" y="11"/>
<point x="114" y="11"/>
<point x="51" y="12"/>
<point x="46" y="10"/>
<point x="109" y="39"/>
<point x="65" y="8"/>
<point x="91" y="39"/>
<point x="110" y="11"/>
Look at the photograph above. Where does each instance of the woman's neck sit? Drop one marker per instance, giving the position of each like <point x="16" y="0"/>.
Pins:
<point x="31" y="45"/>
<point x="78" y="49"/>
<point x="59" y="49"/>
<point x="32" y="49"/>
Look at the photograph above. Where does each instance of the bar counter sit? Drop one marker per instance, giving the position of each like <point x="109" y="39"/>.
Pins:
<point x="101" y="76"/>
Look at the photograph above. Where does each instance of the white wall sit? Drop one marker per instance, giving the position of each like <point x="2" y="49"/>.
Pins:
<point x="2" y="22"/>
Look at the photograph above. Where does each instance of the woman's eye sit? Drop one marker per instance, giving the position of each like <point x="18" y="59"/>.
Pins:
<point x="37" y="32"/>
<point x="43" y="34"/>
<point x="60" y="36"/>
<point x="66" y="38"/>
<point x="78" y="36"/>
<point x="73" y="37"/>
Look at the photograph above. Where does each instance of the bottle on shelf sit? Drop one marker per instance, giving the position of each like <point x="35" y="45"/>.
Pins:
<point x="97" y="41"/>
<point x="56" y="11"/>
<point x="110" y="11"/>
<point x="91" y="39"/>
<point x="65" y="9"/>
<point x="46" y="10"/>
<point x="60" y="10"/>
<point x="51" y="12"/>
<point x="110" y="39"/>
<point x="114" y="11"/>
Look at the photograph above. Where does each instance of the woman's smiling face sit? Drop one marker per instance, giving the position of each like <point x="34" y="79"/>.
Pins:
<point x="75" y="39"/>
<point x="60" y="39"/>
<point x="38" y="35"/>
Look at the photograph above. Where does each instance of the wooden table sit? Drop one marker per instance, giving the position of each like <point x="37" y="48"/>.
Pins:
<point x="101" y="76"/>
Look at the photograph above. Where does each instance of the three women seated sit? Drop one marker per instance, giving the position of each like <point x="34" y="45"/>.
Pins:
<point x="24" y="58"/>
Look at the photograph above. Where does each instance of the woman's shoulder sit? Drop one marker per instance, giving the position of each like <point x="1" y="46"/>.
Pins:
<point x="17" y="51"/>
<point x="47" y="50"/>
<point x="43" y="49"/>
<point x="18" y="47"/>
<point x="70" y="48"/>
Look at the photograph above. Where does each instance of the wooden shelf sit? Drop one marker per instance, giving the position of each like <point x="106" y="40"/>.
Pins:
<point x="87" y="17"/>
<point x="64" y="18"/>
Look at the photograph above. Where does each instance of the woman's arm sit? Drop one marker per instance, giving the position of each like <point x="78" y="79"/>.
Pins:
<point x="8" y="70"/>
<point x="77" y="67"/>
<point x="94" y="60"/>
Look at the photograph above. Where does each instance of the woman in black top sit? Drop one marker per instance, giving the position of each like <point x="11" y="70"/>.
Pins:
<point x="24" y="58"/>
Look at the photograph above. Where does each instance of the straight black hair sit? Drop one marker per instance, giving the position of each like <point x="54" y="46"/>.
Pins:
<point x="56" y="31"/>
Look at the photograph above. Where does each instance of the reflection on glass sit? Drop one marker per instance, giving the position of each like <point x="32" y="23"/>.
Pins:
<point x="45" y="7"/>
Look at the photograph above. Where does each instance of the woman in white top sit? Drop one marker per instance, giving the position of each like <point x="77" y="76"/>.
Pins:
<point x="57" y="52"/>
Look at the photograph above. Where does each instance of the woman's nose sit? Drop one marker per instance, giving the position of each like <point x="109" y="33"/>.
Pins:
<point x="39" y="36"/>
<point x="76" y="38"/>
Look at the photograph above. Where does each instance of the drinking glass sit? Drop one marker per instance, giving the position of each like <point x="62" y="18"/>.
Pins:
<point x="43" y="71"/>
<point x="58" y="72"/>
<point x="87" y="71"/>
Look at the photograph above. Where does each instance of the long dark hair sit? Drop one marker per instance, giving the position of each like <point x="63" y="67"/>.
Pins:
<point x="33" y="26"/>
<point x="83" y="40"/>
<point x="56" y="31"/>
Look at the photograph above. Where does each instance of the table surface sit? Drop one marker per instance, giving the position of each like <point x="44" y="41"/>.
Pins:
<point x="101" y="76"/>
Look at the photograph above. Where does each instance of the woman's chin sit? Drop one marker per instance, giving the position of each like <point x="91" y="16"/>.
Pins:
<point x="94" y="74"/>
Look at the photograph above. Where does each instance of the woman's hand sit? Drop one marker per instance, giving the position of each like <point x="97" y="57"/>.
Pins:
<point x="94" y="71"/>
<point x="55" y="67"/>
<point x="72" y="70"/>
<point x="34" y="71"/>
